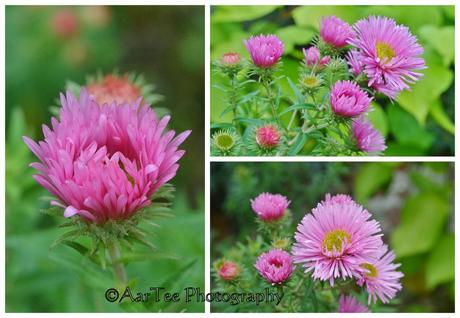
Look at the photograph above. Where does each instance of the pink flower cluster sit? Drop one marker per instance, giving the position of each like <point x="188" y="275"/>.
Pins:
<point x="338" y="239"/>
<point x="276" y="266"/>
<point x="104" y="161"/>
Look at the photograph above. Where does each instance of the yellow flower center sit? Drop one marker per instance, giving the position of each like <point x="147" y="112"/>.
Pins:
<point x="224" y="141"/>
<point x="384" y="52"/>
<point x="334" y="240"/>
<point x="371" y="270"/>
<point x="311" y="81"/>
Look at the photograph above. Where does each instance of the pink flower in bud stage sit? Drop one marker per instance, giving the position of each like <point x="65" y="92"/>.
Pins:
<point x="229" y="271"/>
<point x="105" y="161"/>
<point x="348" y="99"/>
<point x="275" y="266"/>
<point x="265" y="50"/>
<point x="268" y="136"/>
<point x="335" y="31"/>
<point x="230" y="59"/>
<point x="270" y="207"/>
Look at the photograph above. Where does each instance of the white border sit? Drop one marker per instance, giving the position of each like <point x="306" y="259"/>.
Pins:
<point x="208" y="159"/>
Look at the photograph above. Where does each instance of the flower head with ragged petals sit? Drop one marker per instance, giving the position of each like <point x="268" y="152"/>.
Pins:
<point x="105" y="161"/>
<point x="380" y="276"/>
<point x="229" y="270"/>
<point x="265" y="50"/>
<point x="230" y="59"/>
<point x="353" y="60"/>
<point x="113" y="88"/>
<point x="275" y="266"/>
<point x="389" y="53"/>
<point x="348" y="99"/>
<point x="268" y="136"/>
<point x="335" y="237"/>
<point x="349" y="304"/>
<point x="335" y="32"/>
<point x="368" y="139"/>
<point x="270" y="207"/>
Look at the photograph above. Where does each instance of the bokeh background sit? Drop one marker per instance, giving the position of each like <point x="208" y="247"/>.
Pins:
<point x="45" y="47"/>
<point x="420" y="122"/>
<point x="414" y="203"/>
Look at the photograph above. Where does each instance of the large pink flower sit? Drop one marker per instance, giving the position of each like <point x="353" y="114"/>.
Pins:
<point x="389" y="53"/>
<point x="265" y="50"/>
<point x="105" y="161"/>
<point x="380" y="276"/>
<point x="275" y="266"/>
<point x="335" y="32"/>
<point x="368" y="139"/>
<point x="349" y="304"/>
<point x="348" y="99"/>
<point x="335" y="238"/>
<point x="270" y="207"/>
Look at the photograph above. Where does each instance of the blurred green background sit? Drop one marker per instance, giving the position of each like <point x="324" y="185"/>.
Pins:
<point x="419" y="122"/>
<point x="414" y="203"/>
<point x="166" y="45"/>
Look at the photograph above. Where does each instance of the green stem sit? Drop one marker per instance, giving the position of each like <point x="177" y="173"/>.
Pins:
<point x="271" y="98"/>
<point x="118" y="267"/>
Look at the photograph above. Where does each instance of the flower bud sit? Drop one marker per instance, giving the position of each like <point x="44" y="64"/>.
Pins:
<point x="230" y="59"/>
<point x="268" y="137"/>
<point x="229" y="271"/>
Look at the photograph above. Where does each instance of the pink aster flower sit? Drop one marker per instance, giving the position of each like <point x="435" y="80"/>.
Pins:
<point x="335" y="238"/>
<point x="230" y="59"/>
<point x="268" y="136"/>
<point x="265" y="50"/>
<point x="312" y="57"/>
<point x="348" y="100"/>
<point x="104" y="161"/>
<point x="368" y="139"/>
<point x="229" y="271"/>
<point x="380" y="276"/>
<point x="275" y="266"/>
<point x="349" y="304"/>
<point x="390" y="54"/>
<point x="353" y="59"/>
<point x="335" y="31"/>
<point x="270" y="207"/>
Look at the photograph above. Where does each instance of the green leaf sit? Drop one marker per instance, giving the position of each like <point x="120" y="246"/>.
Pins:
<point x="422" y="220"/>
<point x="370" y="178"/>
<point x="440" y="266"/>
<point x="379" y="119"/>
<point x="76" y="246"/>
<point x="296" y="106"/>
<point x="250" y="121"/>
<point x="436" y="79"/>
<point x="298" y="145"/>
<point x="293" y="35"/>
<point x="310" y="16"/>
<point x="221" y="125"/>
<point x="240" y="13"/>
<point x="441" y="39"/>
<point x="440" y="116"/>
<point x="298" y="94"/>
<point x="407" y="131"/>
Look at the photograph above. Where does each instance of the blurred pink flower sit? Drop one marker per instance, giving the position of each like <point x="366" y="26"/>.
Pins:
<point x="229" y="271"/>
<point x="105" y="161"/>
<point x="354" y="61"/>
<point x="268" y="136"/>
<point x="270" y="207"/>
<point x="230" y="59"/>
<point x="349" y="304"/>
<point x="348" y="99"/>
<point x="313" y="56"/>
<point x="368" y="139"/>
<point x="65" y="23"/>
<point x="335" y="31"/>
<point x="275" y="266"/>
<point x="335" y="237"/>
<point x="389" y="53"/>
<point x="265" y="50"/>
<point x="380" y="276"/>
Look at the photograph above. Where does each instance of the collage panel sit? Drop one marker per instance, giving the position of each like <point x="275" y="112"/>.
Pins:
<point x="332" y="80"/>
<point x="114" y="220"/>
<point x="290" y="237"/>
